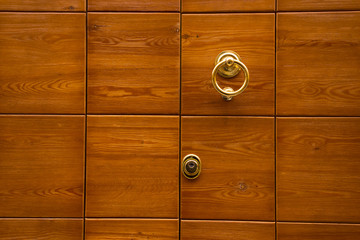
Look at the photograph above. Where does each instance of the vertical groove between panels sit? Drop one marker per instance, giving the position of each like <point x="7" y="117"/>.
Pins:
<point x="275" y="122"/>
<point x="180" y="113"/>
<point x="86" y="84"/>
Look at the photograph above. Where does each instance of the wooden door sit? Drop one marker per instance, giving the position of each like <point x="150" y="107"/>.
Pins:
<point x="42" y="119"/>
<point x="317" y="147"/>
<point x="234" y="195"/>
<point x="101" y="101"/>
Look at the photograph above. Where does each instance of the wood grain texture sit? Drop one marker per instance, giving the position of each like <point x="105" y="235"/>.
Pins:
<point x="237" y="178"/>
<point x="41" y="166"/>
<point x="316" y="5"/>
<point x="42" y="5"/>
<point x="252" y="36"/>
<point x="134" y="63"/>
<point x="139" y="229"/>
<point x="312" y="231"/>
<point x="132" y="166"/>
<point x="227" y="5"/>
<point x="41" y="229"/>
<point x="318" y="63"/>
<point x="138" y="5"/>
<point x="318" y="169"/>
<point x="220" y="230"/>
<point x="42" y="64"/>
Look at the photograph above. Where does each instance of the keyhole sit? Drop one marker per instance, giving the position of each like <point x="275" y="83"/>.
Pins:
<point x="191" y="166"/>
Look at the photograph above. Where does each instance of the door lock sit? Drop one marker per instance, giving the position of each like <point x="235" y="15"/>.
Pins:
<point x="191" y="166"/>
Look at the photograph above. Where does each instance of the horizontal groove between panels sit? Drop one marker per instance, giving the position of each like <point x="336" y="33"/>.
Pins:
<point x="183" y="13"/>
<point x="174" y="115"/>
<point x="183" y="219"/>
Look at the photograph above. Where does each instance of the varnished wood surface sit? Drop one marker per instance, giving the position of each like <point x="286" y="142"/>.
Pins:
<point x="132" y="166"/>
<point x="41" y="229"/>
<point x="133" y="63"/>
<point x="318" y="63"/>
<point x="237" y="178"/>
<point x="318" y="169"/>
<point x="252" y="36"/>
<point x="227" y="5"/>
<point x="41" y="166"/>
<point x="138" y="5"/>
<point x="42" y="64"/>
<point x="312" y="231"/>
<point x="42" y="5"/>
<point x="316" y="5"/>
<point x="139" y="229"/>
<point x="221" y="230"/>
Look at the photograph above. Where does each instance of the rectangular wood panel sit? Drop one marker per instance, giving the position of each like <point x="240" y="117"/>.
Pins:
<point x="139" y="229"/>
<point x="316" y="5"/>
<point x="220" y="230"/>
<point x="237" y="178"/>
<point x="228" y="5"/>
<point x="42" y="65"/>
<point x="313" y="231"/>
<point x="138" y="5"/>
<point x="252" y="36"/>
<point x="42" y="5"/>
<point x="41" y="166"/>
<point x="318" y="169"/>
<point x="41" y="228"/>
<point x="318" y="59"/>
<point x="133" y="63"/>
<point x="132" y="166"/>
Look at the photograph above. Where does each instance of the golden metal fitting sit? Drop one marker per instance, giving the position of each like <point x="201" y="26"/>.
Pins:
<point x="228" y="65"/>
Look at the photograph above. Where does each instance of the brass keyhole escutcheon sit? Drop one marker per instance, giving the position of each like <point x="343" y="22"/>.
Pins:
<point x="191" y="166"/>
